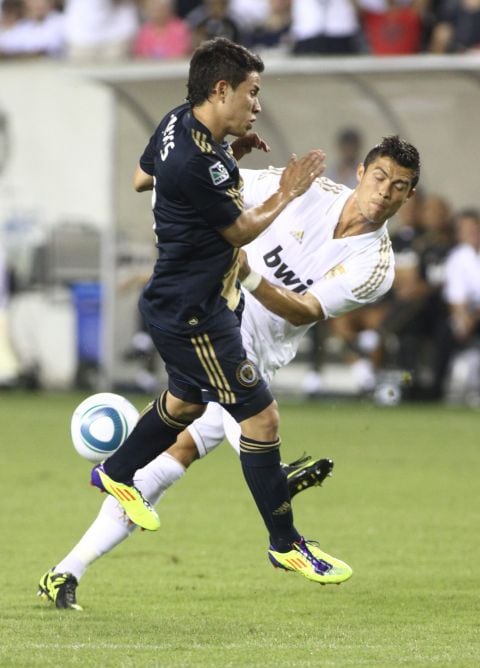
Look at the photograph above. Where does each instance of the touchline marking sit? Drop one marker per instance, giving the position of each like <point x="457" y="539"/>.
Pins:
<point x="87" y="645"/>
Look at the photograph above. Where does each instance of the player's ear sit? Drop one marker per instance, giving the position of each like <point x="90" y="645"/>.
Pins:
<point x="360" y="172"/>
<point x="411" y="193"/>
<point x="221" y="89"/>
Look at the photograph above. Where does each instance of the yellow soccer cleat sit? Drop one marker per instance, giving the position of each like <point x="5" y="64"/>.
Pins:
<point x="137" y="508"/>
<point x="306" y="472"/>
<point x="59" y="588"/>
<point x="307" y="558"/>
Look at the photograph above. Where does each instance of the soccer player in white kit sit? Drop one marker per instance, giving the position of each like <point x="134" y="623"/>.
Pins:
<point x="328" y="253"/>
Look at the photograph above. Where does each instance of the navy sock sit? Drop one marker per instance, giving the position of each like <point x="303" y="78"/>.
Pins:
<point x="155" y="431"/>
<point x="268" y="485"/>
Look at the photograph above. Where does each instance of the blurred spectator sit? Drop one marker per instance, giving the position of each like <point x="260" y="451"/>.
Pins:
<point x="325" y="27"/>
<point x="348" y="143"/>
<point x="11" y="11"/>
<point x="406" y="227"/>
<point x="393" y="27"/>
<point x="11" y="15"/>
<point x="462" y="276"/>
<point x="184" y="7"/>
<point x="437" y="237"/>
<point x="9" y="368"/>
<point x="100" y="30"/>
<point x="458" y="27"/>
<point x="274" y="31"/>
<point x="39" y="33"/>
<point x="359" y="344"/>
<point x="417" y="316"/>
<point x="212" y="19"/>
<point x="163" y="34"/>
<point x="462" y="294"/>
<point x="249" y="13"/>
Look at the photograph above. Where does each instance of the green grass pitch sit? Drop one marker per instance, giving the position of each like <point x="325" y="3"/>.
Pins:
<point x="402" y="508"/>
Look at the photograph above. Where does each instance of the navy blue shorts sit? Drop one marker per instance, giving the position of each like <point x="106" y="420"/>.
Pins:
<point x="213" y="366"/>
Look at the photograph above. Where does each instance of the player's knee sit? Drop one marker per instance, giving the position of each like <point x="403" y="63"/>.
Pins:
<point x="264" y="425"/>
<point x="184" y="449"/>
<point x="271" y="418"/>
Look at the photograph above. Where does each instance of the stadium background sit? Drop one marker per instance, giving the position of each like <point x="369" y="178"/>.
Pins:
<point x="71" y="137"/>
<point x="402" y="506"/>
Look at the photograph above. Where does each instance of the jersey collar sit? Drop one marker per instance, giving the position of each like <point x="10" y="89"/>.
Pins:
<point x="357" y="239"/>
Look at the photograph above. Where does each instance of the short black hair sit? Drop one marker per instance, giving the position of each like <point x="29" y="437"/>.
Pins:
<point x="349" y="136"/>
<point x="399" y="150"/>
<point x="218" y="59"/>
<point x="468" y="212"/>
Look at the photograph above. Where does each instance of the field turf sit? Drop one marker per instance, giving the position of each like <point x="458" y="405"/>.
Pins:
<point x="402" y="508"/>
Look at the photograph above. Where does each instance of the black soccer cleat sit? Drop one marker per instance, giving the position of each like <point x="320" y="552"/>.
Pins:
<point x="59" y="588"/>
<point x="306" y="472"/>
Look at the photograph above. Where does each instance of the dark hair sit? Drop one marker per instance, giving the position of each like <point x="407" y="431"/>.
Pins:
<point x="399" y="150"/>
<point x="218" y="59"/>
<point x="349" y="136"/>
<point x="468" y="212"/>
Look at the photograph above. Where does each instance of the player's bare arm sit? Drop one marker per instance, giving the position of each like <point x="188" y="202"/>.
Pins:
<point x="292" y="307"/>
<point x="295" y="308"/>
<point x="297" y="177"/>
<point x="142" y="181"/>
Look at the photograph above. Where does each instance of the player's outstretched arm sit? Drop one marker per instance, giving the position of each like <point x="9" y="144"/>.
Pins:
<point x="297" y="177"/>
<point x="296" y="309"/>
<point x="292" y="307"/>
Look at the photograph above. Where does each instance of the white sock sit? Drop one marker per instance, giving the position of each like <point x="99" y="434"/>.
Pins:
<point x="112" y="526"/>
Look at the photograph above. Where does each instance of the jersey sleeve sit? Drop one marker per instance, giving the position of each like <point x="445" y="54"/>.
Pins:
<point x="259" y="185"/>
<point x="212" y="190"/>
<point x="147" y="162"/>
<point x="355" y="282"/>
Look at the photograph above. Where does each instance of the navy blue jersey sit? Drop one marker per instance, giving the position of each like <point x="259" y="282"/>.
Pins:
<point x="197" y="192"/>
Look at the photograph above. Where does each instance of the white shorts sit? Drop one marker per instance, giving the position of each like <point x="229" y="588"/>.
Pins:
<point x="212" y="428"/>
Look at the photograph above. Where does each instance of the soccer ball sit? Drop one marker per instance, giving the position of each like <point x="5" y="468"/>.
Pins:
<point x="387" y="394"/>
<point x="100" y="424"/>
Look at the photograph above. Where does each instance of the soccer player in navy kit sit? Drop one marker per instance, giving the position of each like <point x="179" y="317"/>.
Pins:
<point x="192" y="303"/>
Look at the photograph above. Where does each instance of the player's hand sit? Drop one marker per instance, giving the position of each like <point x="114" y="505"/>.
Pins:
<point x="300" y="173"/>
<point x="247" y="143"/>
<point x="244" y="267"/>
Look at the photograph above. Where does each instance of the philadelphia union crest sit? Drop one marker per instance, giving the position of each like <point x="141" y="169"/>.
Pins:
<point x="247" y="374"/>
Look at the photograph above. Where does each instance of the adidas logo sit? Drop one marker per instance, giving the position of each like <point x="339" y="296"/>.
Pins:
<point x="281" y="510"/>
<point x="297" y="235"/>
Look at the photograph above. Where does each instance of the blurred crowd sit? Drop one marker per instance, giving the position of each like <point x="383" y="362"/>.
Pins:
<point x="108" y="30"/>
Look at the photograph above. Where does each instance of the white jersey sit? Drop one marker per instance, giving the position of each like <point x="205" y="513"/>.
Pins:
<point x="298" y="252"/>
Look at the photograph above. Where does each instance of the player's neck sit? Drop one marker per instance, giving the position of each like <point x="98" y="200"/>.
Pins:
<point x="205" y="114"/>
<point x="352" y="222"/>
